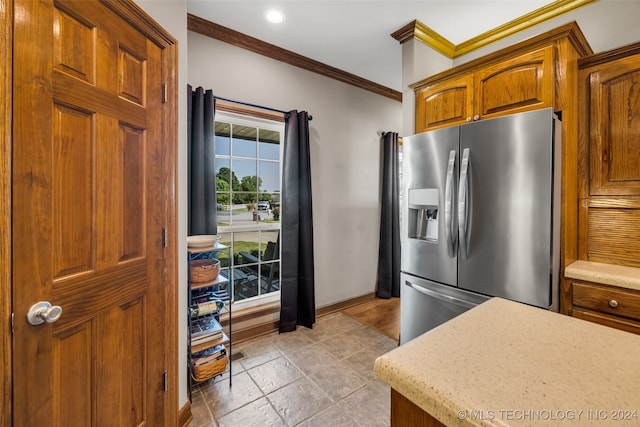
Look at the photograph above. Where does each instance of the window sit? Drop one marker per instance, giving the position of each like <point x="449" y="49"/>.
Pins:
<point x="248" y="183"/>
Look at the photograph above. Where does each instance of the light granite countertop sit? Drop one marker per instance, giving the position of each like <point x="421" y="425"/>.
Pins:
<point x="505" y="363"/>
<point x="608" y="274"/>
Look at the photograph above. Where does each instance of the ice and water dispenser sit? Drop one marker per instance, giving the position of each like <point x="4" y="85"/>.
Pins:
<point x="423" y="214"/>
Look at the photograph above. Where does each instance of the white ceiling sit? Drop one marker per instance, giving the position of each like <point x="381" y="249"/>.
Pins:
<point x="354" y="35"/>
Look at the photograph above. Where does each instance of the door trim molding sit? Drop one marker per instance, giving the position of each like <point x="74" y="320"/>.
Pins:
<point x="6" y="89"/>
<point x="184" y="415"/>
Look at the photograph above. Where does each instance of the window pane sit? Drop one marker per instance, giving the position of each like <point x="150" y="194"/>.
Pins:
<point x="223" y="179"/>
<point x="269" y="176"/>
<point x="223" y="255"/>
<point x="246" y="255"/>
<point x="222" y="138"/>
<point x="269" y="249"/>
<point x="246" y="247"/>
<point x="269" y="277"/>
<point x="245" y="283"/>
<point x="223" y="188"/>
<point x="269" y="145"/>
<point x="271" y="212"/>
<point x="223" y="208"/>
<point x="269" y="270"/>
<point x="243" y="175"/>
<point x="243" y="209"/>
<point x="244" y="141"/>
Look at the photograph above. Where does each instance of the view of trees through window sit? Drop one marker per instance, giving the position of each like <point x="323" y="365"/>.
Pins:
<point x="247" y="164"/>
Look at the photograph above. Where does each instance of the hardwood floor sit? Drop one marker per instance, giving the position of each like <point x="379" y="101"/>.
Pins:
<point x="382" y="315"/>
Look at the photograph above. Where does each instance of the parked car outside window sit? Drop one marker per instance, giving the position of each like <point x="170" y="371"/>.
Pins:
<point x="264" y="205"/>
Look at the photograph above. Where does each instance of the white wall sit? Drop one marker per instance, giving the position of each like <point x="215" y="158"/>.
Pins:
<point x="345" y="153"/>
<point x="172" y="15"/>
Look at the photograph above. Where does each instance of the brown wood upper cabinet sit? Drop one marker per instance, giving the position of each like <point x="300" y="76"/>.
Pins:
<point x="611" y="105"/>
<point x="523" y="83"/>
<point x="526" y="76"/>
<point x="445" y="103"/>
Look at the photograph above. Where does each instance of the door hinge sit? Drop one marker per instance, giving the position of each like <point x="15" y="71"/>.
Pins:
<point x="165" y="381"/>
<point x="12" y="320"/>
<point x="165" y="237"/>
<point x="165" y="95"/>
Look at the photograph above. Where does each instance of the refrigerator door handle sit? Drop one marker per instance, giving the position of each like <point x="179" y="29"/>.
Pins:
<point x="449" y="236"/>
<point x="439" y="296"/>
<point x="463" y="188"/>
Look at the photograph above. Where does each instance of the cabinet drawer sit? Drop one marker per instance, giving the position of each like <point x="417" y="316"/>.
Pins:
<point x="614" y="301"/>
<point x="606" y="320"/>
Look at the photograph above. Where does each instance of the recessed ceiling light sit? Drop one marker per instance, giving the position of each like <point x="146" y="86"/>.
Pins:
<point x="274" y="16"/>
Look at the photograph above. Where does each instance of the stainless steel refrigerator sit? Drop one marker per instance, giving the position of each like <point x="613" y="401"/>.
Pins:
<point x="481" y="218"/>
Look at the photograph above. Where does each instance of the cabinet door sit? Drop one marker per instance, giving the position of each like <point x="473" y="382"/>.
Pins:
<point x="523" y="83"/>
<point x="614" y="128"/>
<point x="445" y="103"/>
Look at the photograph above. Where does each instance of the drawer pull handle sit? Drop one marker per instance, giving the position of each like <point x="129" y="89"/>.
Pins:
<point x="613" y="303"/>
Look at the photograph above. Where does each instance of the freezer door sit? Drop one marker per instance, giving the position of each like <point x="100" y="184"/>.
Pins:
<point x="429" y="225"/>
<point x="505" y="207"/>
<point x="425" y="305"/>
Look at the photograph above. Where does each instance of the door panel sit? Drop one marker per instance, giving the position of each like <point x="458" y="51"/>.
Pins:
<point x="88" y="217"/>
<point x="123" y="372"/>
<point x="73" y="404"/>
<point x="425" y="161"/>
<point x="72" y="219"/>
<point x="614" y="128"/>
<point x="517" y="84"/>
<point x="445" y="103"/>
<point x="510" y="216"/>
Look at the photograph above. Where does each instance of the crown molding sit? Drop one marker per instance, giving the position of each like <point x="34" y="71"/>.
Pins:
<point x="418" y="30"/>
<point x="570" y="31"/>
<point x="609" y="55"/>
<point x="227" y="35"/>
<point x="435" y="40"/>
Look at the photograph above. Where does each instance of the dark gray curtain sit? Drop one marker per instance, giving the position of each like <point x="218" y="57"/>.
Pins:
<point x="389" y="251"/>
<point x="201" y="193"/>
<point x="297" y="293"/>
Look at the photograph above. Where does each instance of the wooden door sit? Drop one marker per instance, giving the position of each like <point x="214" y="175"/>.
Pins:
<point x="88" y="214"/>
<point x="518" y="84"/>
<point x="445" y="103"/>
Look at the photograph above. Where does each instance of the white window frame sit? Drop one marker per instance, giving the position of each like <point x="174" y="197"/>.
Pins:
<point x="243" y="120"/>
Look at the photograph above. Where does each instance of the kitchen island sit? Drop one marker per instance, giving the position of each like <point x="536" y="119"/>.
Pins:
<point x="504" y="363"/>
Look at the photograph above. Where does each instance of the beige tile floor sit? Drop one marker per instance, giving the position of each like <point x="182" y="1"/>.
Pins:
<point x="311" y="377"/>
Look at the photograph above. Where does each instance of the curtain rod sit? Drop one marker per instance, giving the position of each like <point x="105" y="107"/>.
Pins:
<point x="256" y="106"/>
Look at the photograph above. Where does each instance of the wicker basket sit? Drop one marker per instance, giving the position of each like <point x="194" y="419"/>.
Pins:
<point x="204" y="270"/>
<point x="209" y="370"/>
